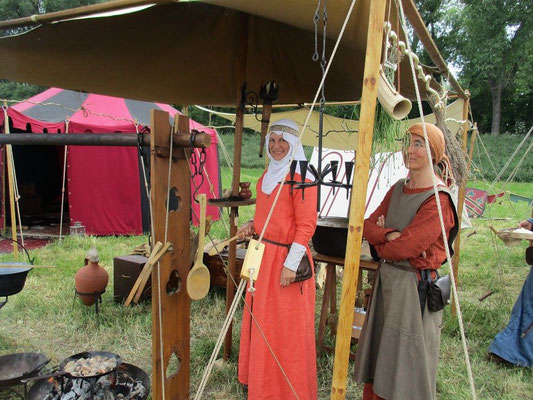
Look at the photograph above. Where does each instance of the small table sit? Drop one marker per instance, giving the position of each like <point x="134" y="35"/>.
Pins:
<point x="330" y="294"/>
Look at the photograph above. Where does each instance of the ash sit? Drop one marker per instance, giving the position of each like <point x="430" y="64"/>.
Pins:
<point x="106" y="388"/>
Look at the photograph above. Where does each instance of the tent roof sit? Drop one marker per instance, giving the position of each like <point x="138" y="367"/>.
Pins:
<point x="88" y="112"/>
<point x="197" y="53"/>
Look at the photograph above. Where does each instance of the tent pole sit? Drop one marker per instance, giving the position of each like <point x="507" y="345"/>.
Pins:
<point x="237" y="153"/>
<point x="431" y="48"/>
<point x="170" y="313"/>
<point x="3" y="163"/>
<point x="11" y="184"/>
<point x="357" y="203"/>
<point x="461" y="196"/>
<point x="63" y="193"/>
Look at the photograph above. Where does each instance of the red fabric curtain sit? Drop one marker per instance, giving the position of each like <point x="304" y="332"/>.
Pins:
<point x="103" y="189"/>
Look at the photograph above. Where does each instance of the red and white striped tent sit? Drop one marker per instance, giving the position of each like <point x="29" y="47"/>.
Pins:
<point x="105" y="185"/>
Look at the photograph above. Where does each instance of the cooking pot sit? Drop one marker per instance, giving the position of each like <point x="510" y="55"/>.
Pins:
<point x="12" y="280"/>
<point x="330" y="236"/>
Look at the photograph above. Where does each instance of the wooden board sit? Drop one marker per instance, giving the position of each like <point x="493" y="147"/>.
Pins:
<point x="171" y="328"/>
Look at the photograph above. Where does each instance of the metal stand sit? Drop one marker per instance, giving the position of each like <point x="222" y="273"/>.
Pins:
<point x="97" y="298"/>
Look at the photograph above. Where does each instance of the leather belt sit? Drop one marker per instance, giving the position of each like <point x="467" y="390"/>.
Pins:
<point x="256" y="236"/>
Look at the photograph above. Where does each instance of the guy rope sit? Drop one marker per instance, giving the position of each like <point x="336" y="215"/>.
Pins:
<point x="439" y="208"/>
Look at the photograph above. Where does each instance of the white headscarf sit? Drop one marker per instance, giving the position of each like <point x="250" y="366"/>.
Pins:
<point x="277" y="170"/>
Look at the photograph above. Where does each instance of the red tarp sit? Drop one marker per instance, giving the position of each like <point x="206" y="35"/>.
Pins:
<point x="104" y="186"/>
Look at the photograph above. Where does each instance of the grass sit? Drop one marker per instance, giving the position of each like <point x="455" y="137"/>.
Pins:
<point x="45" y="317"/>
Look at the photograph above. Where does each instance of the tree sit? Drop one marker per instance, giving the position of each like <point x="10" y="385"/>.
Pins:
<point x="490" y="39"/>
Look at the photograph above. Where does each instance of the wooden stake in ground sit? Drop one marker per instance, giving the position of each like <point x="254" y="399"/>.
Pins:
<point x="357" y="203"/>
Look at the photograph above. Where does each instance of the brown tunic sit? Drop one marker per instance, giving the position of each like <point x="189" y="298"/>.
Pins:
<point x="398" y="350"/>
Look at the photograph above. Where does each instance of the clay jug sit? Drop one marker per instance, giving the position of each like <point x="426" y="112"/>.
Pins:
<point x="91" y="278"/>
<point x="245" y="192"/>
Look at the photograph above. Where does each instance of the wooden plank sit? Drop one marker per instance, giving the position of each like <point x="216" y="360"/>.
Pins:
<point x="171" y="328"/>
<point x="357" y="202"/>
<point x="147" y="267"/>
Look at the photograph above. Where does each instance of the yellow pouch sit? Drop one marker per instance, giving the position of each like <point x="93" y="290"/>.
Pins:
<point x="252" y="260"/>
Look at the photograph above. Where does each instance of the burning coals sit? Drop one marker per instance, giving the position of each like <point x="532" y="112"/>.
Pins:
<point x="106" y="388"/>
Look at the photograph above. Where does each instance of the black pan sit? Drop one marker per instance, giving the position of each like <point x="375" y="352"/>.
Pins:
<point x="18" y="366"/>
<point x="86" y="354"/>
<point x="89" y="354"/>
<point x="42" y="388"/>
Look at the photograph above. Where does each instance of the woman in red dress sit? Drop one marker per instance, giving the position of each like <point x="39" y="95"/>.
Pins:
<point x="277" y="357"/>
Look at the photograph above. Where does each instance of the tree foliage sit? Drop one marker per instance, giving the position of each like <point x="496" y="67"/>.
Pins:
<point x="491" y="40"/>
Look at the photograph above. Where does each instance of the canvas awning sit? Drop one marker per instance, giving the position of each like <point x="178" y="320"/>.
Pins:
<point x="197" y="52"/>
<point x="339" y="133"/>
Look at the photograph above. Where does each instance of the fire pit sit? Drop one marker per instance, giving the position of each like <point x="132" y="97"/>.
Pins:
<point x="128" y="383"/>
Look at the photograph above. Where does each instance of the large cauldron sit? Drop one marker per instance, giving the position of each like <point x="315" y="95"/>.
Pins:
<point x="12" y="280"/>
<point x="330" y="236"/>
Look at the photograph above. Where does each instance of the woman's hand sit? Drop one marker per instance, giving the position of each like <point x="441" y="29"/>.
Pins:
<point x="287" y="276"/>
<point x="392" y="235"/>
<point x="246" y="229"/>
<point x="526" y="224"/>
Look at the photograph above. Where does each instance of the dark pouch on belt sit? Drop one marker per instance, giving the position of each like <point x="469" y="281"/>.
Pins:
<point x="439" y="293"/>
<point x="304" y="270"/>
<point x="436" y="293"/>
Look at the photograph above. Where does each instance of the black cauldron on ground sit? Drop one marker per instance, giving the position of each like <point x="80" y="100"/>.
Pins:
<point x="330" y="236"/>
<point x="12" y="281"/>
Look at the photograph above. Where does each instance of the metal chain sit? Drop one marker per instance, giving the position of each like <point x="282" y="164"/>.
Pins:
<point x="316" y="18"/>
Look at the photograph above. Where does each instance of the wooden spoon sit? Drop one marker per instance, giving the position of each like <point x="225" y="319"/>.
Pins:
<point x="198" y="279"/>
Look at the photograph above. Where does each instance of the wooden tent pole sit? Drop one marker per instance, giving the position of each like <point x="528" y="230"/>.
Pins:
<point x="462" y="190"/>
<point x="237" y="153"/>
<point x="170" y="303"/>
<point x="420" y="29"/>
<point x="11" y="185"/>
<point x="357" y="202"/>
<point x="461" y="197"/>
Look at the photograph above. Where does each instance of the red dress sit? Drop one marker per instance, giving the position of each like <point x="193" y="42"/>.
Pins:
<point x="284" y="315"/>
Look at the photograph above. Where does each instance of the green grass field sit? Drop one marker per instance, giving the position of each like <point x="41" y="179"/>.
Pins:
<point x="45" y="317"/>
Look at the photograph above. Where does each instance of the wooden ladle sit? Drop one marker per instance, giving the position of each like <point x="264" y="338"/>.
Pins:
<point x="198" y="279"/>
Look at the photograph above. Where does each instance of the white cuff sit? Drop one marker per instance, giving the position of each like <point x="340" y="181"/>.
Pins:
<point x="294" y="257"/>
